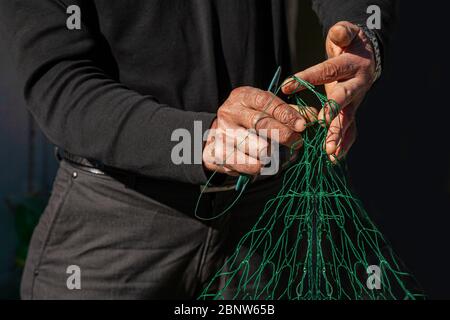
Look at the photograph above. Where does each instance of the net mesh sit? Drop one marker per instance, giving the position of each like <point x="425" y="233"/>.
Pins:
<point x="313" y="240"/>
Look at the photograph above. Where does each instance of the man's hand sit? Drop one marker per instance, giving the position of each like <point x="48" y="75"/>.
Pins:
<point x="347" y="74"/>
<point x="232" y="149"/>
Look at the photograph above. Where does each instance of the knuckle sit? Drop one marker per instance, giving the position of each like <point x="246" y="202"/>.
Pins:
<point x="261" y="99"/>
<point x="228" y="110"/>
<point x="350" y="67"/>
<point x="334" y="129"/>
<point x="285" y="115"/>
<point x="330" y="71"/>
<point x="226" y="114"/>
<point x="238" y="93"/>
<point x="264" y="123"/>
<point x="222" y="111"/>
<point x="253" y="121"/>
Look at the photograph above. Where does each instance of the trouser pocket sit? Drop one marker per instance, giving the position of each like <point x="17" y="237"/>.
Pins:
<point x="125" y="244"/>
<point x="43" y="230"/>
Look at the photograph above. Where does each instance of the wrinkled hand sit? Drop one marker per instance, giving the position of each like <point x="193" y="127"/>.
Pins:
<point x="347" y="74"/>
<point x="232" y="149"/>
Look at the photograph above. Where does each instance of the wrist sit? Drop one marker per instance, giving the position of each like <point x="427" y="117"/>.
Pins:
<point x="371" y="36"/>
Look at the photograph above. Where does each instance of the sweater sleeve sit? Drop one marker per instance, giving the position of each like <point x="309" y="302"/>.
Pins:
<point x="72" y="89"/>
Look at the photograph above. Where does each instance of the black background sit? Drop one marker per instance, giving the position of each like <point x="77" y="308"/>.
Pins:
<point x="400" y="165"/>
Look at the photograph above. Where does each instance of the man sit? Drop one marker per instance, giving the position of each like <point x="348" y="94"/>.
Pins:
<point x="111" y="93"/>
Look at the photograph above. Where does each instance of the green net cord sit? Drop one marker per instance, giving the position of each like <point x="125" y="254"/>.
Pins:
<point x="313" y="240"/>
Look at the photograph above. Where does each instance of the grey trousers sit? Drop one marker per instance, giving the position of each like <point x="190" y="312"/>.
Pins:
<point x="121" y="243"/>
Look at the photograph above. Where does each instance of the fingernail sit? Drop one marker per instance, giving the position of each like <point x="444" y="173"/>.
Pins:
<point x="331" y="147"/>
<point x="286" y="86"/>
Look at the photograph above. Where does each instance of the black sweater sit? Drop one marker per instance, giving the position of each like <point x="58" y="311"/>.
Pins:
<point x="137" y="70"/>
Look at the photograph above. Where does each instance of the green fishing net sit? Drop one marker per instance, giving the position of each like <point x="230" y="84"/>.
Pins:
<point x="313" y="240"/>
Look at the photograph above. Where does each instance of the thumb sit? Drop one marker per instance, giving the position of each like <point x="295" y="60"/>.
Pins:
<point x="343" y="33"/>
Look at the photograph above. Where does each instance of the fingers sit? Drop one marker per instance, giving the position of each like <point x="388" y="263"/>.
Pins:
<point x="341" y="119"/>
<point x="335" y="69"/>
<point x="270" y="117"/>
<point x="278" y="132"/>
<point x="343" y="94"/>
<point x="235" y="151"/>
<point x="243" y="163"/>
<point x="264" y="125"/>
<point x="338" y="129"/>
<point x="271" y="128"/>
<point x="343" y="33"/>
<point x="310" y="114"/>
<point x="227" y="155"/>
<point x="237" y="163"/>
<point x="249" y="143"/>
<point x="267" y="103"/>
<point x="347" y="142"/>
<point x="209" y="161"/>
<point x="262" y="111"/>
